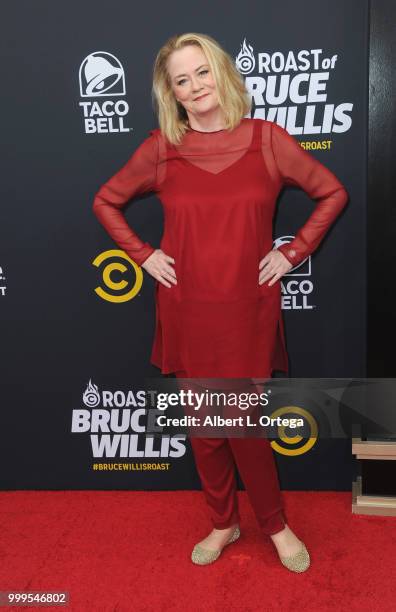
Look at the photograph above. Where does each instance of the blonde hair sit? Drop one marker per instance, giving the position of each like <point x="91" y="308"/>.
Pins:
<point x="233" y="97"/>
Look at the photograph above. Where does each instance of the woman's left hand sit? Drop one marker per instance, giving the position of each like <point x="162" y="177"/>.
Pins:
<point x="275" y="265"/>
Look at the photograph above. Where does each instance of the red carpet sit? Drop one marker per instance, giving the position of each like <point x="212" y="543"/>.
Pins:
<point x="130" y="551"/>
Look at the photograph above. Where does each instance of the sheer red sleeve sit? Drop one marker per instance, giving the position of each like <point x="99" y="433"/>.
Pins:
<point x="298" y="167"/>
<point x="136" y="177"/>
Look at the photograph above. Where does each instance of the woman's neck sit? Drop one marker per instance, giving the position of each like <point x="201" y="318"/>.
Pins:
<point x="211" y="123"/>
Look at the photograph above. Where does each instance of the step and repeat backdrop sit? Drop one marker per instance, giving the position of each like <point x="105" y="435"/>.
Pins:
<point x="77" y="315"/>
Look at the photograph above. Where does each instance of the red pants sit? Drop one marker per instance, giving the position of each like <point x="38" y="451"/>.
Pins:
<point x="216" y="459"/>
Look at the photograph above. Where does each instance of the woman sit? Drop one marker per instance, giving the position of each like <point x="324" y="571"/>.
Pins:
<point x="218" y="301"/>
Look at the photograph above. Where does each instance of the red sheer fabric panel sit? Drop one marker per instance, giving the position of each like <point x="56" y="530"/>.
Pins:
<point x="216" y="151"/>
<point x="137" y="177"/>
<point x="298" y="167"/>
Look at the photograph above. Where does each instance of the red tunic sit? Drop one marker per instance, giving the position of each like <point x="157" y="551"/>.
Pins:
<point x="219" y="191"/>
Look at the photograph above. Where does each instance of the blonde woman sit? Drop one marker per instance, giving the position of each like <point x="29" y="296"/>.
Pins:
<point x="218" y="174"/>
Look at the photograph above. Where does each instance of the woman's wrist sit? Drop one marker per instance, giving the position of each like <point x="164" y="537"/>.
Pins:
<point x="289" y="252"/>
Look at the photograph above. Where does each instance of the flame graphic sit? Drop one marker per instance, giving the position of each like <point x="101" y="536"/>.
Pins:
<point x="245" y="61"/>
<point x="91" y="396"/>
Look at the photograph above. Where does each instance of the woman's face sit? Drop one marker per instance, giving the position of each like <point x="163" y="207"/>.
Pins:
<point x="191" y="78"/>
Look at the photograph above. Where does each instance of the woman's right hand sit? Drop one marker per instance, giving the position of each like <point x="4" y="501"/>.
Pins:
<point x="158" y="265"/>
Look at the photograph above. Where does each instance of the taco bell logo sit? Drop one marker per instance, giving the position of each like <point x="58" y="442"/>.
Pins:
<point x="296" y="290"/>
<point x="101" y="75"/>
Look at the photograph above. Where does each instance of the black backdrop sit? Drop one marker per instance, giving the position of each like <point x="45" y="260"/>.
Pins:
<point x="58" y="333"/>
<point x="381" y="322"/>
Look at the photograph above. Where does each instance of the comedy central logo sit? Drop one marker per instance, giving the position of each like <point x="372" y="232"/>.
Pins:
<point x="291" y="444"/>
<point x="245" y="60"/>
<point x="121" y="277"/>
<point x="91" y="396"/>
<point x="102" y="75"/>
<point x="296" y="292"/>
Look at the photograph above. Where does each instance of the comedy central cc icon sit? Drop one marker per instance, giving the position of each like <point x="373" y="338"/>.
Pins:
<point x="116" y="263"/>
<point x="294" y="444"/>
<point x="290" y="441"/>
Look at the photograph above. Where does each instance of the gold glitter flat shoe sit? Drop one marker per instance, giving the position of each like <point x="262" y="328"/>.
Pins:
<point x="203" y="556"/>
<point x="299" y="562"/>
